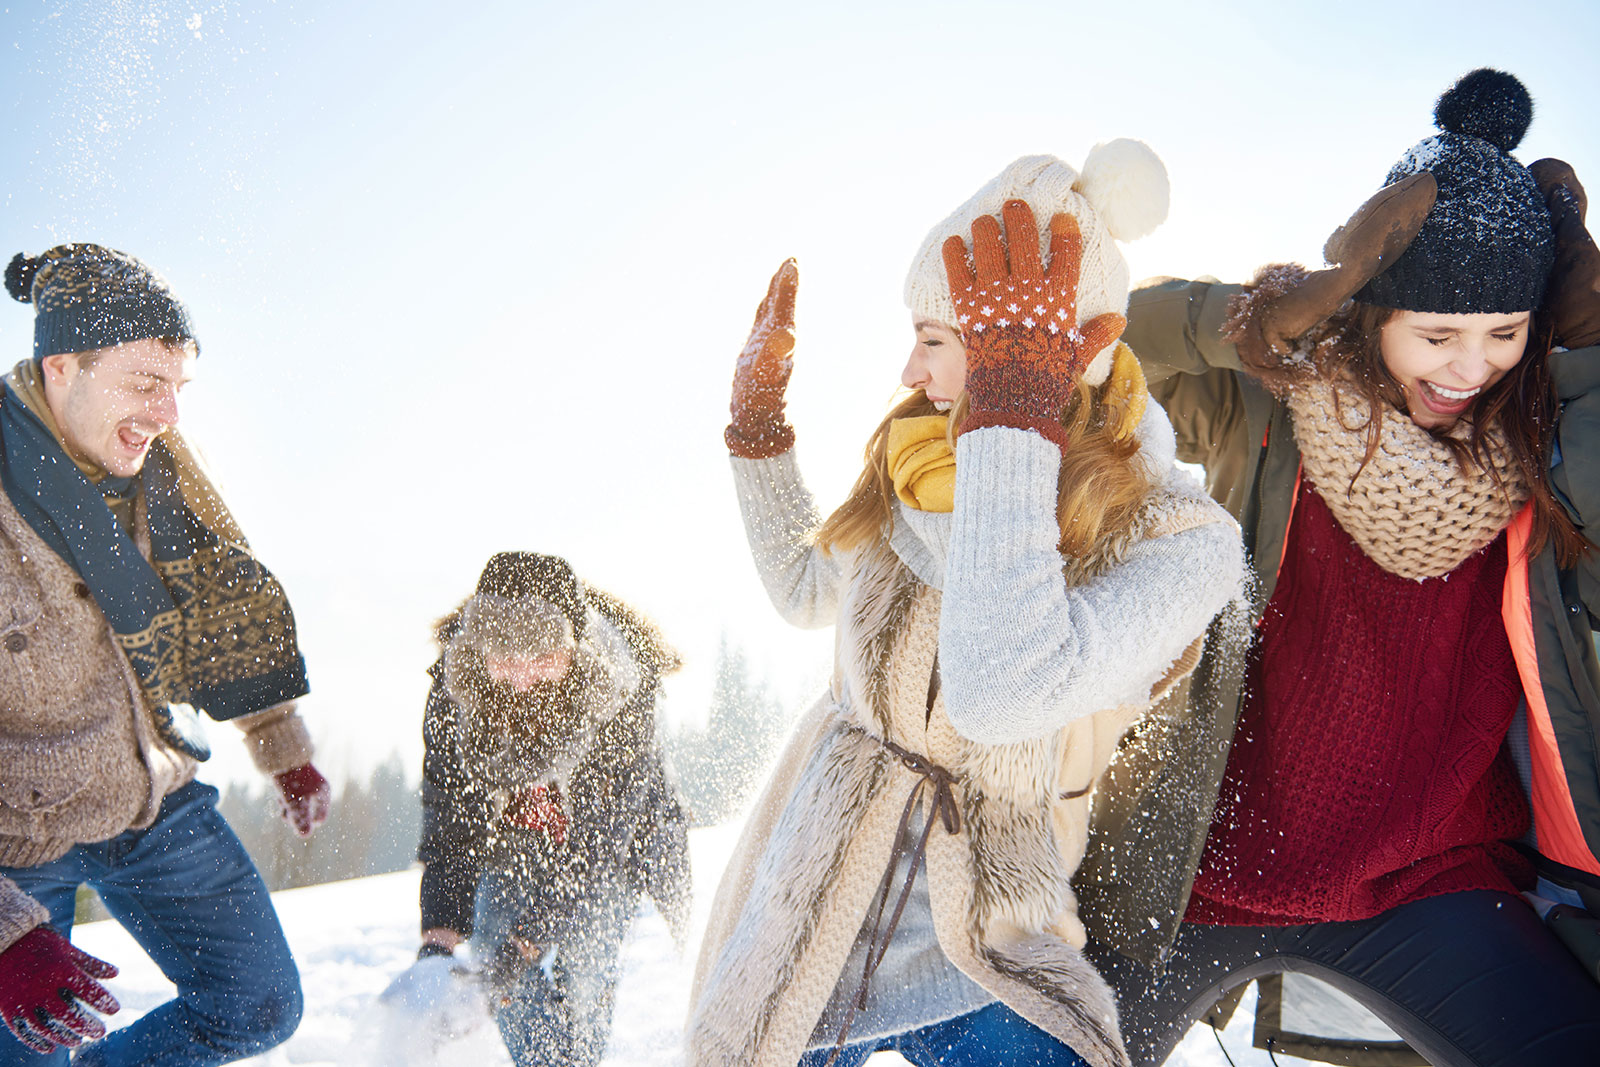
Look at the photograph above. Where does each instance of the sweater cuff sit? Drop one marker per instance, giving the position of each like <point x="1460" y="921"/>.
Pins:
<point x="773" y="485"/>
<point x="277" y="738"/>
<point x="1010" y="476"/>
<point x="19" y="913"/>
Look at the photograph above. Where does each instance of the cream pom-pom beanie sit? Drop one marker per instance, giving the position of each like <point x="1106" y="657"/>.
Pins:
<point x="1120" y="195"/>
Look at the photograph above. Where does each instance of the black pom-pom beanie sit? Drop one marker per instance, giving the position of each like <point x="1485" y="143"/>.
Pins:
<point x="1487" y="245"/>
<point x="87" y="296"/>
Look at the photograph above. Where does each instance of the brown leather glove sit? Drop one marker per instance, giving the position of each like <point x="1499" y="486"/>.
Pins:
<point x="1573" y="297"/>
<point x="1373" y="238"/>
<point x="761" y="374"/>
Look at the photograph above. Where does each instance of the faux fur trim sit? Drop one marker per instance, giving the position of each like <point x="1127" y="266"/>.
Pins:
<point x="1248" y="304"/>
<point x="1084" y="1001"/>
<point x="641" y="632"/>
<point x="763" y="953"/>
<point x="878" y="599"/>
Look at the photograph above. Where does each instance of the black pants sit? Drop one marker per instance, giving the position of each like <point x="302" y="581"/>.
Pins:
<point x="1467" y="979"/>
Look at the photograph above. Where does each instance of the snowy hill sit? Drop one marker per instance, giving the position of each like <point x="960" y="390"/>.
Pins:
<point x="352" y="938"/>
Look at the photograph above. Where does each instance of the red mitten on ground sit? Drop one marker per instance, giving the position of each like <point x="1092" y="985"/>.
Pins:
<point x="305" y="797"/>
<point x="43" y="976"/>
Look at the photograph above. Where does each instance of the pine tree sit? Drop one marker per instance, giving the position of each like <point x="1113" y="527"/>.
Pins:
<point x="719" y="765"/>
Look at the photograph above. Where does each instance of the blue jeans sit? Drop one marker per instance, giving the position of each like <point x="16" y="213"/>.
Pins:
<point x="186" y="890"/>
<point x="553" y="1010"/>
<point x="994" y="1036"/>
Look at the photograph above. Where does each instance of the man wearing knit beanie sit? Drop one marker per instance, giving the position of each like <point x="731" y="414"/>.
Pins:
<point x="547" y="809"/>
<point x="133" y="603"/>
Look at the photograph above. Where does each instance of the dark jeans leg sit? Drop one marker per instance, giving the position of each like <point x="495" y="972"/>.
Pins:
<point x="189" y="894"/>
<point x="557" y="1014"/>
<point x="994" y="1036"/>
<point x="1467" y="979"/>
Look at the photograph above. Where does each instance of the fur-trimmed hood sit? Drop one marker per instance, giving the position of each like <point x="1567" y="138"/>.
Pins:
<point x="541" y="735"/>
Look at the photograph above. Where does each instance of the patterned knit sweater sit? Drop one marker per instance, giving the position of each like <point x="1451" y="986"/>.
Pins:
<point x="1367" y="770"/>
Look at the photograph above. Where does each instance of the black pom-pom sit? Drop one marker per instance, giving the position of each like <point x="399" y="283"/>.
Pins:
<point x="1486" y="103"/>
<point x="19" y="276"/>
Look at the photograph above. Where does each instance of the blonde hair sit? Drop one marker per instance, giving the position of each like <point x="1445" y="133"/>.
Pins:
<point x="1102" y="481"/>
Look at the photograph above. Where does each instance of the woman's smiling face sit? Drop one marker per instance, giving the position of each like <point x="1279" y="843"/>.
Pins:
<point x="1444" y="362"/>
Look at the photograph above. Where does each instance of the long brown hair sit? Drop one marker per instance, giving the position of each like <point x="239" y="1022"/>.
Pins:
<point x="1102" y="481"/>
<point x="1522" y="404"/>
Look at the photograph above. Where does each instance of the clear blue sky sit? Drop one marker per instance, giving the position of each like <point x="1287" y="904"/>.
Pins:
<point x="475" y="281"/>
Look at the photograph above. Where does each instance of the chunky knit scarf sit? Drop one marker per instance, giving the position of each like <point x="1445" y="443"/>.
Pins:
<point x="1412" y="510"/>
<point x="201" y="622"/>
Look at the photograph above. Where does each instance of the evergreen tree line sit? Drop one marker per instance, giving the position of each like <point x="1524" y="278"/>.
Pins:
<point x="719" y="765"/>
<point x="372" y="829"/>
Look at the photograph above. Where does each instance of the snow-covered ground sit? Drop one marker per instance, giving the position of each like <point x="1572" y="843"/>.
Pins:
<point x="352" y="938"/>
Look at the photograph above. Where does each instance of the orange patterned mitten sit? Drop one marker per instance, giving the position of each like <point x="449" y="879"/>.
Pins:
<point x="1025" y="348"/>
<point x="761" y="374"/>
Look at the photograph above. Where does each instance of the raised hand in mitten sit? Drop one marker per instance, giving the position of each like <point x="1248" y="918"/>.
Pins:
<point x="1573" y="296"/>
<point x="1360" y="250"/>
<point x="761" y="374"/>
<point x="1019" y="321"/>
<point x="43" y="977"/>
<point x="304" y="797"/>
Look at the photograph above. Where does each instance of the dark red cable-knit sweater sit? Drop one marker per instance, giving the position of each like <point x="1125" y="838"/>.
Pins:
<point x="1367" y="769"/>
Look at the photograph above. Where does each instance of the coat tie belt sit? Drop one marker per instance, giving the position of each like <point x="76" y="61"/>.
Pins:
<point x="943" y="804"/>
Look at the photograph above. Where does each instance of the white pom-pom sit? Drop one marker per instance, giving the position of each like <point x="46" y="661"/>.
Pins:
<point x="1126" y="184"/>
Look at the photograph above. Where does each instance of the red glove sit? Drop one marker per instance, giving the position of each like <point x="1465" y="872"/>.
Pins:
<point x="304" y="796"/>
<point x="761" y="374"/>
<point x="42" y="978"/>
<point x="1025" y="348"/>
<point x="538" y="807"/>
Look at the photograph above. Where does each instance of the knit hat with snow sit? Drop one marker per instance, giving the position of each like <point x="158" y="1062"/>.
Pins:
<point x="525" y="602"/>
<point x="1487" y="245"/>
<point x="87" y="296"/>
<point x="1120" y="195"/>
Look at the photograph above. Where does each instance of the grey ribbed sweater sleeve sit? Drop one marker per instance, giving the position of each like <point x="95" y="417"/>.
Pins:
<point x="1020" y="653"/>
<point x="780" y="519"/>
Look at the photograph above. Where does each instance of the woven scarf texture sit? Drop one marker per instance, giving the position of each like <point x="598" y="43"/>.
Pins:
<point x="1412" y="510"/>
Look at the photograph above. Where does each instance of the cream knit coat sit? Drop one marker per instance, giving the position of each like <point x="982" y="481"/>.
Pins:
<point x="817" y="843"/>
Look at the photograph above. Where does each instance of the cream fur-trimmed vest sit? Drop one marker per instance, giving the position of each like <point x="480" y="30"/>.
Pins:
<point x="815" y="847"/>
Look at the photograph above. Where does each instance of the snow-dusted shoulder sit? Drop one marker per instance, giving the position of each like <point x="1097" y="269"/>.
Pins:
<point x="1021" y="652"/>
<point x="780" y="519"/>
<point x="611" y="665"/>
